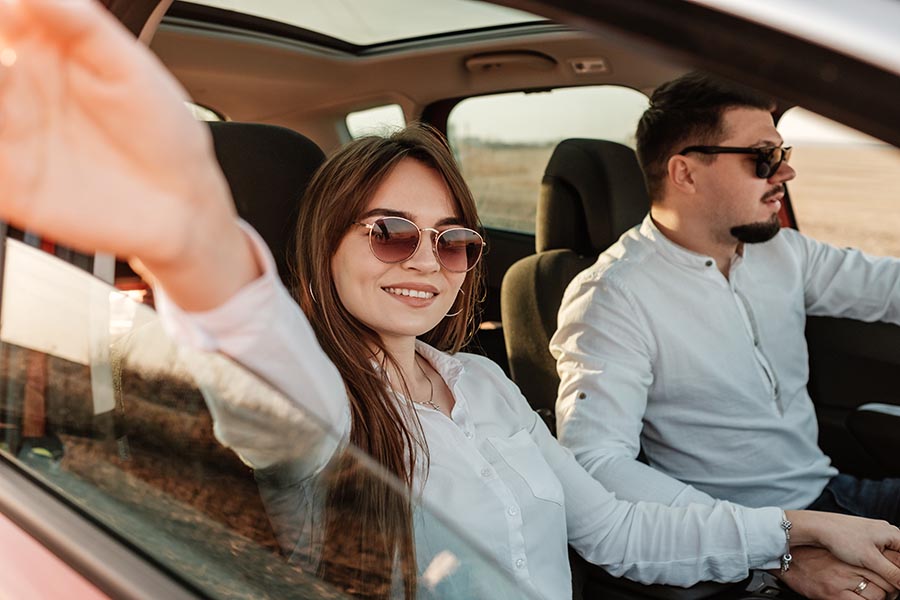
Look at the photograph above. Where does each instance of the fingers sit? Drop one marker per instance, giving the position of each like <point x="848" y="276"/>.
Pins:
<point x="85" y="31"/>
<point x="874" y="579"/>
<point x="894" y="538"/>
<point x="869" y="591"/>
<point x="12" y="21"/>
<point x="68" y="21"/>
<point x="62" y="20"/>
<point x="848" y="595"/>
<point x="8" y="58"/>
<point x="880" y="565"/>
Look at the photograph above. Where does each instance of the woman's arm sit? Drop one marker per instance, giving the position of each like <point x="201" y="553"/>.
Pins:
<point x="263" y="329"/>
<point x="98" y="152"/>
<point x="654" y="543"/>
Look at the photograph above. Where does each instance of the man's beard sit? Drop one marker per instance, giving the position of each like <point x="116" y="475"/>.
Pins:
<point x="756" y="233"/>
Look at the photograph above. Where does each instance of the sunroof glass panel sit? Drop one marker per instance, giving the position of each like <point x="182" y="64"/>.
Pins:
<point x="368" y="22"/>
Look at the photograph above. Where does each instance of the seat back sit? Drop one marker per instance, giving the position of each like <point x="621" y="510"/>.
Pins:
<point x="592" y="192"/>
<point x="267" y="168"/>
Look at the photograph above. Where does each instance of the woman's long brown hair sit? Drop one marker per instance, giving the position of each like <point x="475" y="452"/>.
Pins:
<point x="368" y="539"/>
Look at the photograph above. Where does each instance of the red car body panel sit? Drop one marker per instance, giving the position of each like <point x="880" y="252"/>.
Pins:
<point x="29" y="570"/>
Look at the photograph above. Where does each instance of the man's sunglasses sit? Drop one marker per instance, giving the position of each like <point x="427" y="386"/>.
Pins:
<point x="768" y="158"/>
<point x="395" y="239"/>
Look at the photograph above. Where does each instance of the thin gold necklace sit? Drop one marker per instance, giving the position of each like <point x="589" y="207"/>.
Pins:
<point x="430" y="401"/>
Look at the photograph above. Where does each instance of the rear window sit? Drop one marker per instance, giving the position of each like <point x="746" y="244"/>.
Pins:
<point x="504" y="141"/>
<point x="380" y="120"/>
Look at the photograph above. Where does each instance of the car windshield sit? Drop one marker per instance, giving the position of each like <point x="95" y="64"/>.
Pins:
<point x="108" y="414"/>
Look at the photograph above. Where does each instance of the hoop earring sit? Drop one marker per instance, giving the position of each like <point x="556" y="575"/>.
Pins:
<point x="459" y="311"/>
<point x="309" y="285"/>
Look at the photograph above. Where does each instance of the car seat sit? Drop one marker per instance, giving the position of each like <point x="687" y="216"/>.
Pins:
<point x="267" y="168"/>
<point x="592" y="192"/>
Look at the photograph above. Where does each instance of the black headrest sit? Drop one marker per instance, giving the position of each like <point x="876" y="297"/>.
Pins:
<point x="268" y="169"/>
<point x="592" y="192"/>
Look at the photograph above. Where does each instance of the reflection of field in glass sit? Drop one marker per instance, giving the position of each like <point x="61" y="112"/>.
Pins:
<point x="844" y="195"/>
<point x="849" y="195"/>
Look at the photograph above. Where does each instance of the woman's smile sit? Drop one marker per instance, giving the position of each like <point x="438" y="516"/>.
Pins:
<point x="412" y="294"/>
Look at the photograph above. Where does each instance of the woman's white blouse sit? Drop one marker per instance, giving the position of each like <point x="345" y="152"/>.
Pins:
<point x="495" y="470"/>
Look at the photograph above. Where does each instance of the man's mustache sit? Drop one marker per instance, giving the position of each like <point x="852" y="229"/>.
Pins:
<point x="778" y="189"/>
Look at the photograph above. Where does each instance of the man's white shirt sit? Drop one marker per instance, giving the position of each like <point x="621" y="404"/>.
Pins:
<point x="657" y="350"/>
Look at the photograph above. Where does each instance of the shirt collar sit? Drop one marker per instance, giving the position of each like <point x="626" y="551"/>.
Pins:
<point x="451" y="369"/>
<point x="448" y="366"/>
<point x="678" y="254"/>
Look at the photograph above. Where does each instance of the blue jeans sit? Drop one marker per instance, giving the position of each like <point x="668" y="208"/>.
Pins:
<point x="848" y="495"/>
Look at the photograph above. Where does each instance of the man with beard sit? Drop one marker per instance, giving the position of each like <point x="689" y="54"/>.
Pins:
<point x="686" y="338"/>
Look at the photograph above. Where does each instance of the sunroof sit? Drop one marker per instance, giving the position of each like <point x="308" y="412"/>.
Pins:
<point x="368" y="22"/>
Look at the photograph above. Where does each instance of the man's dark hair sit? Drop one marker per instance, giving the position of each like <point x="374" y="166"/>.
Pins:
<point x="684" y="112"/>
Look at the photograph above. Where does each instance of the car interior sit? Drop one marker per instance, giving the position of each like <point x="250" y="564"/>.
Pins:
<point x="277" y="97"/>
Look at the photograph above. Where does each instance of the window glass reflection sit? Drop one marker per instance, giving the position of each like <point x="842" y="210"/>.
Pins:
<point x="98" y="404"/>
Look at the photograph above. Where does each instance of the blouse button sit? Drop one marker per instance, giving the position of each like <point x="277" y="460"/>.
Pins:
<point x="709" y="263"/>
<point x="469" y="435"/>
<point x="512" y="510"/>
<point x="486" y="472"/>
<point x="520" y="563"/>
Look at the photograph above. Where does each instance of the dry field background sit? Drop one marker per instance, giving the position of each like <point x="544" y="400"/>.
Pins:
<point x="506" y="181"/>
<point x="845" y="195"/>
<point x="849" y="196"/>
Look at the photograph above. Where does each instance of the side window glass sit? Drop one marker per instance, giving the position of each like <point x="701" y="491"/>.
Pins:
<point x="193" y="461"/>
<point x="379" y="120"/>
<point x="845" y="192"/>
<point x="503" y="142"/>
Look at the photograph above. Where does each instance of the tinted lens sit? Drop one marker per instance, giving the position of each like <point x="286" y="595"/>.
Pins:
<point x="767" y="163"/>
<point x="459" y="249"/>
<point x="393" y="239"/>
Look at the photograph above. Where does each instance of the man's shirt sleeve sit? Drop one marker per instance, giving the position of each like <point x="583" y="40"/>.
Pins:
<point x="844" y="282"/>
<point x="605" y="352"/>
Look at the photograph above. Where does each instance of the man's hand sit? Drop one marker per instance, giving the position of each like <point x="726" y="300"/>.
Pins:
<point x="856" y="541"/>
<point x="816" y="574"/>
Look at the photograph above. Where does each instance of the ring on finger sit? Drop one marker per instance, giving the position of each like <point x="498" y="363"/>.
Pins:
<point x="861" y="586"/>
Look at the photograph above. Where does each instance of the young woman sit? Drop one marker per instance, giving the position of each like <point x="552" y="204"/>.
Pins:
<point x="388" y="253"/>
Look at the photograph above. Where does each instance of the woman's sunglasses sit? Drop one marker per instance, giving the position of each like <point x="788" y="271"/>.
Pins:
<point x="395" y="239"/>
<point x="768" y="158"/>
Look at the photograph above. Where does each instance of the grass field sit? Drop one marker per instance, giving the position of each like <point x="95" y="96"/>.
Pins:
<point x="849" y="196"/>
<point x="844" y="195"/>
<point x="506" y="182"/>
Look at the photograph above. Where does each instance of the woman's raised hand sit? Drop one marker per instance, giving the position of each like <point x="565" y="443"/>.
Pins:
<point x="98" y="152"/>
